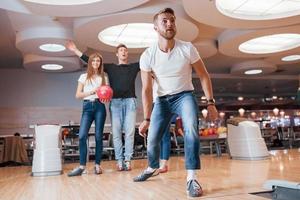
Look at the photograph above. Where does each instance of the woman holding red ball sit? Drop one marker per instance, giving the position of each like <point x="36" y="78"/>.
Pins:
<point x="93" y="110"/>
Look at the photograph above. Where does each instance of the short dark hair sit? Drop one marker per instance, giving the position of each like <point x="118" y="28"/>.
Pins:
<point x="165" y="10"/>
<point x="119" y="46"/>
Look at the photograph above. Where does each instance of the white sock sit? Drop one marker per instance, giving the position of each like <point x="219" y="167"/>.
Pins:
<point x="163" y="163"/>
<point x="191" y="175"/>
<point x="150" y="170"/>
<point x="82" y="167"/>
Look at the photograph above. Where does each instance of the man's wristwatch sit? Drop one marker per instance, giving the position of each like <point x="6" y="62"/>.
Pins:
<point x="147" y="119"/>
<point x="211" y="101"/>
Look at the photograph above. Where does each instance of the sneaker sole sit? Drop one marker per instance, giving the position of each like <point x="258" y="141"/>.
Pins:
<point x="156" y="173"/>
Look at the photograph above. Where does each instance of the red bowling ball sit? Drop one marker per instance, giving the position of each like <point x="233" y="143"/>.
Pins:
<point x="105" y="92"/>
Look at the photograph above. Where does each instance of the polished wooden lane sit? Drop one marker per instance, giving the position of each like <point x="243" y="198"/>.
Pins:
<point x="220" y="177"/>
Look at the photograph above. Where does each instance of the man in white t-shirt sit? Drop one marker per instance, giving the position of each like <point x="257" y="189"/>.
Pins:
<point x="170" y="62"/>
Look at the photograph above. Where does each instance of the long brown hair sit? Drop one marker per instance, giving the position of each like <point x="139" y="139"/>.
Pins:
<point x="90" y="69"/>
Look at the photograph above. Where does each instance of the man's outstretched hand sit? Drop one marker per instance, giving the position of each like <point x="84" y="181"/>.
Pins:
<point x="71" y="45"/>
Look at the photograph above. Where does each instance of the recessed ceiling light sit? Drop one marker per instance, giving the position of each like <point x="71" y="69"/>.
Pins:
<point x="240" y="98"/>
<point x="271" y="43"/>
<point x="253" y="71"/>
<point x="253" y="114"/>
<point x="241" y="111"/>
<point x="51" y="67"/>
<point x="63" y="2"/>
<point x="222" y="114"/>
<point x="52" y="47"/>
<point x="258" y="9"/>
<point x="134" y="35"/>
<point x="291" y="58"/>
<point x="276" y="111"/>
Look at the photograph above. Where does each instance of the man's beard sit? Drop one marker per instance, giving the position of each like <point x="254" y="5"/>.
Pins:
<point x="168" y="35"/>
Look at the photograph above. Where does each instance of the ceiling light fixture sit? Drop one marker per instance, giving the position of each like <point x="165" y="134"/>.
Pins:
<point x="52" y="67"/>
<point x="63" y="2"/>
<point x="253" y="114"/>
<point x="257" y="9"/>
<point x="291" y="58"/>
<point x="133" y="35"/>
<point x="275" y="111"/>
<point x="52" y="47"/>
<point x="241" y="112"/>
<point x="271" y="43"/>
<point x="222" y="114"/>
<point x="253" y="71"/>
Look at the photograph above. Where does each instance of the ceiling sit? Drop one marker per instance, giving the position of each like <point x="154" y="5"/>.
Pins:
<point x="26" y="24"/>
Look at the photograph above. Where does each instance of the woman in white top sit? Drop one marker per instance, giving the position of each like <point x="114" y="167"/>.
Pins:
<point x="93" y="110"/>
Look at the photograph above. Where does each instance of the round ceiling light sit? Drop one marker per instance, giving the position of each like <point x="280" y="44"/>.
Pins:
<point x="52" y="47"/>
<point x="253" y="71"/>
<point x="133" y="35"/>
<point x="258" y="10"/>
<point x="52" y="67"/>
<point x="63" y="2"/>
<point x="240" y="98"/>
<point x="291" y="58"/>
<point x="252" y="67"/>
<point x="271" y="43"/>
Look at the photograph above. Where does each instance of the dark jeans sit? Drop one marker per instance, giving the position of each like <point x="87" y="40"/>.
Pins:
<point x="91" y="111"/>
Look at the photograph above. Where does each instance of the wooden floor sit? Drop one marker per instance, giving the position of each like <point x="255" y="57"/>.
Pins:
<point x="220" y="177"/>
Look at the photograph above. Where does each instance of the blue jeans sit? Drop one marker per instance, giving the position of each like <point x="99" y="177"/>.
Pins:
<point x="91" y="111"/>
<point x="165" y="144"/>
<point x="123" y="118"/>
<point x="183" y="104"/>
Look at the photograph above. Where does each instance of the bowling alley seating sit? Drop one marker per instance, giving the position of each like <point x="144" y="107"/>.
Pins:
<point x="108" y="148"/>
<point x="13" y="150"/>
<point x="296" y="136"/>
<point x="177" y="143"/>
<point x="140" y="145"/>
<point x="1" y="149"/>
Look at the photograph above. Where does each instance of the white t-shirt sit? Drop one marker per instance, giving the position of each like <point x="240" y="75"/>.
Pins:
<point x="172" y="71"/>
<point x="90" y="85"/>
<point x="154" y="91"/>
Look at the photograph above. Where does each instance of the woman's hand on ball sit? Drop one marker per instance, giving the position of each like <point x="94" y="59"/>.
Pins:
<point x="104" y="100"/>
